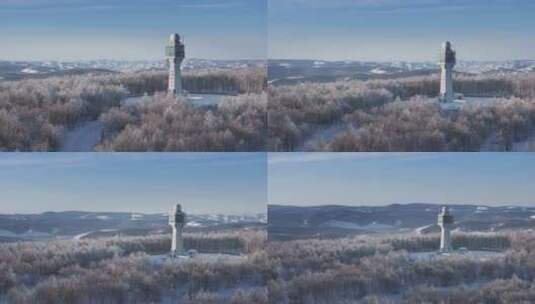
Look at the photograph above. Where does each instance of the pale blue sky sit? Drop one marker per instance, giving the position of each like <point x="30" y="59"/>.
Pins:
<point x="387" y="178"/>
<point x="228" y="183"/>
<point x="238" y="183"/>
<point x="134" y="29"/>
<point x="412" y="30"/>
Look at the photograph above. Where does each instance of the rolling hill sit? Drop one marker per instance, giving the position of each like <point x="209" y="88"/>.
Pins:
<point x="292" y="222"/>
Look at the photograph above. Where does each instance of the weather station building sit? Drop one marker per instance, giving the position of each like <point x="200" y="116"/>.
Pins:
<point x="175" y="53"/>
<point x="448" y="99"/>
<point x="177" y="221"/>
<point x="445" y="221"/>
<point x="447" y="62"/>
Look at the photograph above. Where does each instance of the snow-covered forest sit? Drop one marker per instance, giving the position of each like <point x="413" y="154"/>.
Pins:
<point x="382" y="269"/>
<point x="237" y="124"/>
<point x="122" y="270"/>
<point x="35" y="114"/>
<point x="401" y="115"/>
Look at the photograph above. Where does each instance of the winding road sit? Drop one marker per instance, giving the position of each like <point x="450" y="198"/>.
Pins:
<point x="85" y="136"/>
<point x="82" y="138"/>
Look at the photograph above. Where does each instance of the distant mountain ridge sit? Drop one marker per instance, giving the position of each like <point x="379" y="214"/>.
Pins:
<point x="289" y="222"/>
<point x="80" y="224"/>
<point x="16" y="70"/>
<point x="287" y="72"/>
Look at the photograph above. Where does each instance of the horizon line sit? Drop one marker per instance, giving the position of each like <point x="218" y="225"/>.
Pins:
<point x="392" y="60"/>
<point x="403" y="204"/>
<point x="130" y="212"/>
<point x="127" y="60"/>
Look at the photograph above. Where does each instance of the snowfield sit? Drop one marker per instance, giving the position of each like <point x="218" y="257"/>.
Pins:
<point x="83" y="138"/>
<point x="378" y="71"/>
<point x="29" y="71"/>
<point x="199" y="258"/>
<point x="480" y="255"/>
<point x="374" y="226"/>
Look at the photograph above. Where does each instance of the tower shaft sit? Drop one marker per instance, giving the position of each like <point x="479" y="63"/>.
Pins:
<point x="446" y="83"/>
<point x="177" y="220"/>
<point x="447" y="62"/>
<point x="175" y="53"/>
<point x="177" y="242"/>
<point x="175" y="79"/>
<point x="445" y="221"/>
<point x="445" y="239"/>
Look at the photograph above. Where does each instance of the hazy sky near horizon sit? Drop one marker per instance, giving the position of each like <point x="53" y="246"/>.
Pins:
<point x="411" y="30"/>
<point x="371" y="179"/>
<point x="131" y="30"/>
<point x="228" y="183"/>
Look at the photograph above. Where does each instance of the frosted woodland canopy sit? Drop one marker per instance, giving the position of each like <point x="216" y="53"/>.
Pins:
<point x="35" y="114"/>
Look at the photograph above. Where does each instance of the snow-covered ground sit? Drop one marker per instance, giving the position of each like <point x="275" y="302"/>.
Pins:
<point x="481" y="209"/>
<point x="201" y="257"/>
<point x="136" y="217"/>
<point x="82" y="138"/>
<point x="82" y="235"/>
<point x="472" y="254"/>
<point x="468" y="102"/>
<point x="87" y="135"/>
<point x="374" y="226"/>
<point x="29" y="71"/>
<point x="492" y="144"/>
<point x="8" y="234"/>
<point x="378" y="71"/>
<point x="324" y="135"/>
<point x="420" y="230"/>
<point x="198" y="100"/>
<point x="193" y="224"/>
<point x="28" y="235"/>
<point x="295" y="77"/>
<point x="527" y="145"/>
